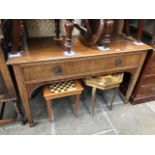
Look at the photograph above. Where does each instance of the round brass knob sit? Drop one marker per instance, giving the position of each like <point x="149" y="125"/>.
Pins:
<point x="118" y="62"/>
<point x="57" y="70"/>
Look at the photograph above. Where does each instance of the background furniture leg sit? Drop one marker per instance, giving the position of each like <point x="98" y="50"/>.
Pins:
<point x="19" y="112"/>
<point x="140" y="30"/>
<point x="57" y="29"/>
<point x="108" y="31"/>
<point x="2" y="110"/>
<point x="69" y="25"/>
<point x="127" y="27"/>
<point x="16" y="35"/>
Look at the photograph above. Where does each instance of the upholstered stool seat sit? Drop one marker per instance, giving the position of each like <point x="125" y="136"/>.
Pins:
<point x="104" y="82"/>
<point x="62" y="89"/>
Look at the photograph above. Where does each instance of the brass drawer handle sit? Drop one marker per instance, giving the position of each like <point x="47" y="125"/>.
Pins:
<point x="118" y="62"/>
<point x="57" y="70"/>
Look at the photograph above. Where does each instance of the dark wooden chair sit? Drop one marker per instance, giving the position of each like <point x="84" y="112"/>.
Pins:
<point x="7" y="91"/>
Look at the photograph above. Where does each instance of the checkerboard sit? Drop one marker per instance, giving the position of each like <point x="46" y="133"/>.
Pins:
<point x="62" y="87"/>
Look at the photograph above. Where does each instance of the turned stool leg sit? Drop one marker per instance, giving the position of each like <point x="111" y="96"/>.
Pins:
<point x="49" y="110"/>
<point x="77" y="104"/>
<point x="93" y="100"/>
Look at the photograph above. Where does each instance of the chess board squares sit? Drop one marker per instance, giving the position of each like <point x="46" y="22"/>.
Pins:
<point x="62" y="87"/>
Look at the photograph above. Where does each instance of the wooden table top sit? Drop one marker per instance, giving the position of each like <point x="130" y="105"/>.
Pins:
<point x="46" y="49"/>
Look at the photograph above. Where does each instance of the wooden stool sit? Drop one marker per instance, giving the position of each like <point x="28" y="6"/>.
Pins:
<point x="105" y="82"/>
<point x="62" y="89"/>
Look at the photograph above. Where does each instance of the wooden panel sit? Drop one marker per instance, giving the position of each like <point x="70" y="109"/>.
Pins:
<point x="150" y="80"/>
<point x="150" y="89"/>
<point x="101" y="64"/>
<point x="150" y="70"/>
<point x="153" y="59"/>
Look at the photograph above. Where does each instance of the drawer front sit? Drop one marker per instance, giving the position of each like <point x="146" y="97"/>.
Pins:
<point x="150" y="70"/>
<point x="153" y="58"/>
<point x="147" y="90"/>
<point x="117" y="62"/>
<point x="75" y="68"/>
<point x="56" y="70"/>
<point x="150" y="80"/>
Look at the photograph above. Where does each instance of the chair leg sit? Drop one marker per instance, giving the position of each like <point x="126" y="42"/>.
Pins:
<point x="49" y="109"/>
<point x="2" y="109"/>
<point x="19" y="112"/>
<point x="93" y="101"/>
<point x="112" y="100"/>
<point x="77" y="102"/>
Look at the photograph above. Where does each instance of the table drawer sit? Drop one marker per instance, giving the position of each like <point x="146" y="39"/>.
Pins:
<point x="55" y="70"/>
<point x="117" y="62"/>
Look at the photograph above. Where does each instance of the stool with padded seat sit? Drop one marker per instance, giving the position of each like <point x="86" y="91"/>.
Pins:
<point x="62" y="89"/>
<point x="104" y="82"/>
